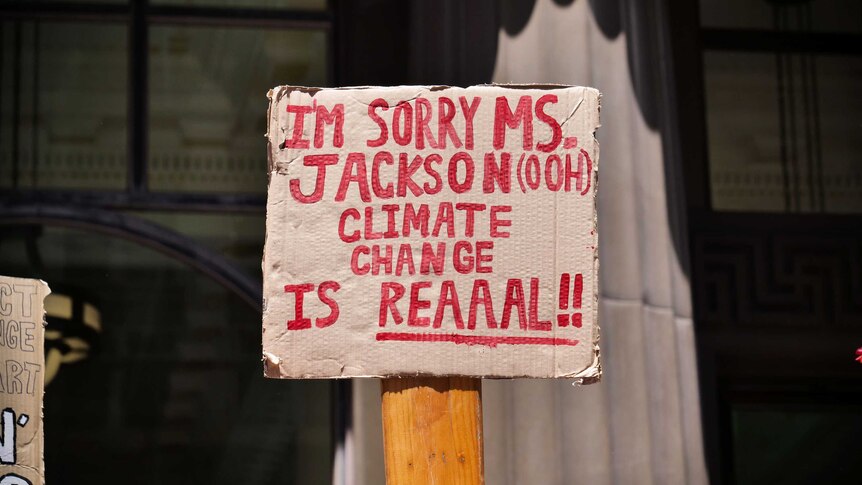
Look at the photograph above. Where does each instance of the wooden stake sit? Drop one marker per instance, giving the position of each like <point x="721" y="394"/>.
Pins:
<point x="432" y="430"/>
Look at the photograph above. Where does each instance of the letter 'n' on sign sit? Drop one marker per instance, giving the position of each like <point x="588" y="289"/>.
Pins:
<point x="433" y="231"/>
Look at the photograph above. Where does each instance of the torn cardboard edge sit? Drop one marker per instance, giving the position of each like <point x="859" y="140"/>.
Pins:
<point x="590" y="375"/>
<point x="22" y="300"/>
<point x="284" y="90"/>
<point x="274" y="365"/>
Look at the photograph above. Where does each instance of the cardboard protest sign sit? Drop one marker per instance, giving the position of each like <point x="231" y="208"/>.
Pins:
<point x="432" y="230"/>
<point x="22" y="338"/>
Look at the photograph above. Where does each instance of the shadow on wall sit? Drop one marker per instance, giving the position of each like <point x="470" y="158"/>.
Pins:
<point x="641" y="23"/>
<point x="450" y="42"/>
<point x="612" y="18"/>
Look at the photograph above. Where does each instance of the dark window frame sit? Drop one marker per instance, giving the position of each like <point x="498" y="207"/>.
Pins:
<point x="92" y="209"/>
<point x="139" y="15"/>
<point x="728" y="374"/>
<point x="703" y="39"/>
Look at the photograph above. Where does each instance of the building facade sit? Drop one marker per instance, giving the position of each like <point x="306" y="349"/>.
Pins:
<point x="132" y="180"/>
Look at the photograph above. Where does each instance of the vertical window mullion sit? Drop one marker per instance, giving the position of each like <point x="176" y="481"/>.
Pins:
<point x="333" y="70"/>
<point x="16" y="104"/>
<point x="138" y="96"/>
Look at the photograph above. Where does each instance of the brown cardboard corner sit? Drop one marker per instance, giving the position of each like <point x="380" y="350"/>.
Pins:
<point x="271" y="365"/>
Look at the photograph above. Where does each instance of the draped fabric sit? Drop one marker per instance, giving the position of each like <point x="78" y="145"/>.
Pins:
<point x="641" y="424"/>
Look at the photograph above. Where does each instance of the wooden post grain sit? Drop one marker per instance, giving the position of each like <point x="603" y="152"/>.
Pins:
<point x="432" y="430"/>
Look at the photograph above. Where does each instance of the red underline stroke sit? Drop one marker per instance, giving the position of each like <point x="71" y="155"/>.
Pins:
<point x="490" y="341"/>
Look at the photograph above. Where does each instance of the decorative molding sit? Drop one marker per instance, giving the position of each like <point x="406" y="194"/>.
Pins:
<point x="779" y="271"/>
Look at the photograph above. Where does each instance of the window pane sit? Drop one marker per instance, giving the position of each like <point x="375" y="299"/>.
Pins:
<point x="796" y="447"/>
<point x="237" y="237"/>
<point x="208" y="102"/>
<point x="63" y="105"/>
<point x="162" y="383"/>
<point x="812" y="15"/>
<point x="784" y="139"/>
<point x="281" y="4"/>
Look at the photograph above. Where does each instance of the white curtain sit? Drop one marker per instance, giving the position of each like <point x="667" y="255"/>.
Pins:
<point x="641" y="424"/>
